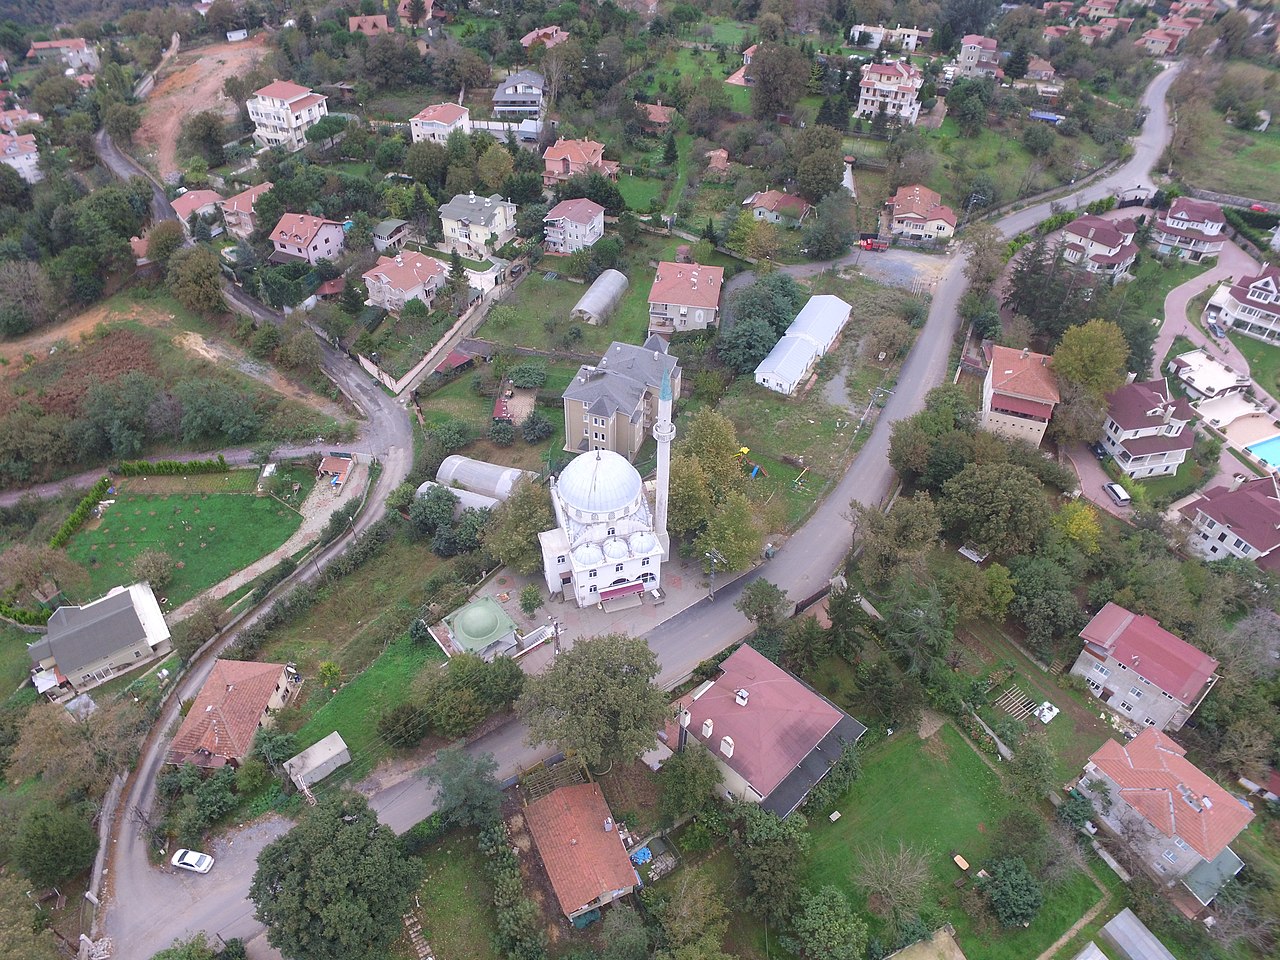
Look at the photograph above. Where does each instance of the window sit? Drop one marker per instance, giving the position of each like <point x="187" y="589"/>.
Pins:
<point x="617" y="568"/>
<point x="1135" y="693"/>
<point x="1149" y="722"/>
<point x="560" y="559"/>
<point x="1123" y="704"/>
<point x="1170" y="856"/>
<point x="613" y="531"/>
<point x="644" y="562"/>
<point x="1100" y="669"/>
<point x="593" y="586"/>
<point x="592" y="574"/>
<point x="137" y="654"/>
<point x="1180" y="843"/>
<point x="1123" y="667"/>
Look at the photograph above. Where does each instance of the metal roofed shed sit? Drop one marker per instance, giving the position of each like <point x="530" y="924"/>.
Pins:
<point x="481" y="628"/>
<point x="601" y="298"/>
<point x="466" y="498"/>
<point x="318" y="761"/>
<point x="479" y="476"/>
<point x="1131" y="938"/>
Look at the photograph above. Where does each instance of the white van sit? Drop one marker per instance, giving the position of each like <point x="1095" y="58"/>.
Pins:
<point x="1118" y="493"/>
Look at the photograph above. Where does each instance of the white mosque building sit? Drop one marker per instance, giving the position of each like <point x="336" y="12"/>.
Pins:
<point x="608" y="545"/>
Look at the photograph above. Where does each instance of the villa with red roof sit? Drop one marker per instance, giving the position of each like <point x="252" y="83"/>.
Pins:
<point x="1100" y="245"/>
<point x="1250" y="305"/>
<point x="546" y="36"/>
<point x="1239" y="520"/>
<point x="1177" y="821"/>
<point x="778" y="207"/>
<point x="235" y="702"/>
<point x="10" y="120"/>
<point x="891" y="87"/>
<point x="657" y="118"/>
<point x="76" y="53"/>
<point x="568" y="158"/>
<point x="300" y="236"/>
<point x="199" y="202"/>
<point x="1142" y="672"/>
<point x="436" y="122"/>
<point x="1147" y="429"/>
<point x="21" y="152"/>
<point x="1190" y="229"/>
<point x="1097" y="9"/>
<point x="917" y="212"/>
<point x="394" y="281"/>
<point x="573" y="225"/>
<point x="370" y="26"/>
<point x="979" y="57"/>
<point x="1158" y="43"/>
<point x="773" y="736"/>
<point x="237" y="211"/>
<point x="282" y="112"/>
<point x="1019" y="393"/>
<point x="581" y="848"/>
<point x="684" y="296"/>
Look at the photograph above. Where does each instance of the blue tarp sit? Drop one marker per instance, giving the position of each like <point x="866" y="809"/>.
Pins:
<point x="642" y="856"/>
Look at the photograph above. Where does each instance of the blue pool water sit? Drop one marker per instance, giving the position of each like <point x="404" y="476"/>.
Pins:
<point x="1267" y="451"/>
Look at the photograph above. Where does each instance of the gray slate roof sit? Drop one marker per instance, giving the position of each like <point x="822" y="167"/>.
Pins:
<point x="619" y="380"/>
<point x="80" y="635"/>
<point x="478" y="210"/>
<point x="523" y="77"/>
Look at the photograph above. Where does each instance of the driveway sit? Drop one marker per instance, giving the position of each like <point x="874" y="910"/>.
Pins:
<point x="1092" y="479"/>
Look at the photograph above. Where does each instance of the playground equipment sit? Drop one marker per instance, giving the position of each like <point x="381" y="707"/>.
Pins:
<point x="753" y="468"/>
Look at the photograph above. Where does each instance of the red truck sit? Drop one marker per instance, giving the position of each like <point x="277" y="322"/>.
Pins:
<point x="873" y="243"/>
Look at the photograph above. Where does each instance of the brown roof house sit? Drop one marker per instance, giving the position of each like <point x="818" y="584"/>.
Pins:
<point x="1190" y="229"/>
<point x="237" y="211"/>
<point x="773" y="737"/>
<point x="1100" y="245"/>
<point x="573" y="225"/>
<point x="200" y="202"/>
<point x="1240" y="520"/>
<point x="1174" y="818"/>
<point x="371" y="26"/>
<point x="918" y="213"/>
<point x="568" y="158"/>
<point x="235" y="702"/>
<point x="778" y="207"/>
<point x="684" y="296"/>
<point x="579" y="844"/>
<point x="394" y="281"/>
<point x="1018" y="393"/>
<point x="1141" y="671"/>
<point x="1147" y="429"/>
<point x="1250" y="305"/>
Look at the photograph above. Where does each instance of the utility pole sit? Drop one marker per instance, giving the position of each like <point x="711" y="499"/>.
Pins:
<point x="714" y="557"/>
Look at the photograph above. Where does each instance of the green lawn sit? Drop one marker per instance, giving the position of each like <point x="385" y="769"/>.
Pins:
<point x="457" y="903"/>
<point x="684" y="143"/>
<point x="15" y="664"/>
<point x="1230" y="160"/>
<point x="208" y="535"/>
<point x="1144" y="295"/>
<point x="1264" y="361"/>
<point x="639" y="192"/>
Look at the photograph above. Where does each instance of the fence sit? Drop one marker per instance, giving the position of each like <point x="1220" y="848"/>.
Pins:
<point x="466" y="325"/>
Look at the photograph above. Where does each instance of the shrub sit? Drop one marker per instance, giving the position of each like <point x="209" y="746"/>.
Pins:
<point x="404" y="725"/>
<point x="528" y="376"/>
<point x="502" y="433"/>
<point x="80" y="515"/>
<point x="535" y="427"/>
<point x="171" y="468"/>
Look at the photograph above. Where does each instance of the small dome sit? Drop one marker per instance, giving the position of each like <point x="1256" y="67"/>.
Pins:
<point x="615" y="549"/>
<point x="643" y="542"/>
<point x="477" y="621"/>
<point x="589" y="555"/>
<point x="597" y="484"/>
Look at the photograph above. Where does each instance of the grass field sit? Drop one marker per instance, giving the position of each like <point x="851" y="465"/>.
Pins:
<point x="1229" y="160"/>
<point x="639" y="192"/>
<point x="1264" y="361"/>
<point x="457" y="903"/>
<point x="15" y="664"/>
<point x="208" y="535"/>
<point x="1152" y="280"/>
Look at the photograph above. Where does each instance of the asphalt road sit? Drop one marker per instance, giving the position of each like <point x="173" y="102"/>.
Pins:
<point x="801" y="567"/>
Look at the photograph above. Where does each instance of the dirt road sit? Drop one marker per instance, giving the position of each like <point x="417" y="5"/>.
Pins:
<point x="188" y="85"/>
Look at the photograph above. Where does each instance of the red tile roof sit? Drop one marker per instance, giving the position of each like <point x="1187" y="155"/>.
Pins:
<point x="282" y="90"/>
<point x="1023" y="373"/>
<point x="370" y="26"/>
<point x="193" y="200"/>
<point x="1097" y="229"/>
<point x="244" y="201"/>
<point x="406" y="270"/>
<point x="580" y="210"/>
<point x="585" y="152"/>
<point x="687" y="285"/>
<point x="299" y="229"/>
<point x="1171" y="793"/>
<point x="978" y="40"/>
<point x="1146" y="648"/>
<point x="446" y="113"/>
<point x="775" y="201"/>
<point x="917" y="202"/>
<point x="780" y="725"/>
<point x="224" y="719"/>
<point x="1198" y="211"/>
<point x="404" y="13"/>
<point x="297" y="106"/>
<point x="657" y="114"/>
<point x="1251" y="511"/>
<point x="584" y="861"/>
<point x="1020" y="405"/>
<point x="1136" y="406"/>
<point x="547" y="36"/>
<point x="718" y="160"/>
<point x="77" y="43"/>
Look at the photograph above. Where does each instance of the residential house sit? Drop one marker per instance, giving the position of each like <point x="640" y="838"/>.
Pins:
<point x="1141" y="671"/>
<point x="1204" y="377"/>
<point x="282" y="112"/>
<point x="581" y="848"/>
<point x="684" y="296"/>
<point x="202" y="203"/>
<point x="1059" y="8"/>
<point x="1019" y="393"/>
<point x="371" y="26"/>
<point x="1180" y="27"/>
<point x="1158" y="43"/>
<point x="481" y="224"/>
<point x="903" y="38"/>
<point x="394" y="281"/>
<point x="1147" y="429"/>
<point x="300" y="236"/>
<point x="390" y="234"/>
<point x="544" y="36"/>
<point x="521" y="94"/>
<point x="778" y="207"/>
<point x="1097" y="9"/>
<point x="20" y="151"/>
<point x="237" y="211"/>
<point x="657" y="118"/>
<point x="1191" y="229"/>
<point x="573" y="225"/>
<point x="404" y="12"/>
<point x="78" y="53"/>
<point x="1250" y="305"/>
<point x="773" y="736"/>
<point x="11" y="120"/>
<point x="1101" y="246"/>
<point x="568" y="158"/>
<point x="236" y="701"/>
<point x="1056" y="32"/>
<point x="1174" y="818"/>
<point x="1115" y="25"/>
<point x="1238" y="520"/>
<point x="1040" y="69"/>
<point x="613" y="404"/>
<point x="88" y="645"/>
<point x="918" y="213"/>
<point x="893" y="88"/>
<point x="435" y="123"/>
<point x="748" y="53"/>
<point x="809" y="337"/>
<point x="979" y="57"/>
<point x="1089" y="35"/>
<point x="717" y="162"/>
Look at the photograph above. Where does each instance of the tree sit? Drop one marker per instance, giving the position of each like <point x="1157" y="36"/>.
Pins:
<point x="900" y="538"/>
<point x="830" y="233"/>
<point x="1077" y="520"/>
<point x="692" y="914"/>
<point x="998" y="507"/>
<point x="593" y="186"/>
<point x="733" y="532"/>
<point x="775" y="298"/>
<point x="763" y="603"/>
<point x="820" y="174"/>
<point x="669" y="152"/>
<point x="984" y="248"/>
<point x="1092" y="355"/>
<point x="825" y="927"/>
<point x="597" y="699"/>
<point x="780" y="73"/>
<point x="203" y="135"/>
<point x="511" y="536"/>
<point x="1033" y="768"/>
<point x="121" y="121"/>
<point x="1233" y="33"/>
<point x="75" y="757"/>
<point x="194" y="278"/>
<point x="155" y="567"/>
<point x="535" y="427"/>
<point x="164" y="239"/>
<point x="690" y="782"/>
<point x="1039" y="139"/>
<point x="1076" y="810"/>
<point x="624" y="934"/>
<point x="894" y="879"/>
<point x="770" y="853"/>
<point x="53" y="845"/>
<point x="433" y="510"/>
<point x="467" y="793"/>
<point x="22" y="937"/>
<point x="530" y="599"/>
<point x="195" y="947"/>
<point x="919" y="626"/>
<point x="743" y="344"/>
<point x="335" y="886"/>
<point x="1012" y="892"/>
<point x="889" y="336"/>
<point x="494" y="167"/>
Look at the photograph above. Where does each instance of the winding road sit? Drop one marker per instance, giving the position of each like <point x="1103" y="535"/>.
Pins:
<point x="151" y="906"/>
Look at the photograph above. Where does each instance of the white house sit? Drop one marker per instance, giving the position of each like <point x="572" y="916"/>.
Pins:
<point x="918" y="213"/>
<point x="893" y="87"/>
<point x="684" y="296"/>
<point x="435" y="123"/>
<point x="1239" y="520"/>
<point x="808" y="339"/>
<point x="778" y="207"/>
<point x="1147" y="429"/>
<point x="21" y="152"/>
<point x="394" y="281"/>
<point x="572" y="225"/>
<point x="521" y="94"/>
<point x="1204" y="377"/>
<point x="300" y="236"/>
<point x="1190" y="229"/>
<point x="479" y="224"/>
<point x="1101" y="246"/>
<point x="1251" y="305"/>
<point x="282" y="112"/>
<point x="874" y="37"/>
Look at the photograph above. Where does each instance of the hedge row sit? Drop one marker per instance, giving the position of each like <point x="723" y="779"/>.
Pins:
<point x="31" y="618"/>
<point x="518" y="929"/>
<point x="81" y="513"/>
<point x="169" y="468"/>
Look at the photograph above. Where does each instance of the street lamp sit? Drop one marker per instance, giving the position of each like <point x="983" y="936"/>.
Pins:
<point x="714" y="557"/>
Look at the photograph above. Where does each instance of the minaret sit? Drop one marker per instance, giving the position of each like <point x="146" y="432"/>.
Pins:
<point x="663" y="431"/>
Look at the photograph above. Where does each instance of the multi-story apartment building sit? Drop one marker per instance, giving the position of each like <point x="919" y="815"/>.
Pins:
<point x="1241" y="520"/>
<point x="21" y="152"/>
<point x="875" y="37"/>
<point x="979" y="57"/>
<point x="918" y="213"/>
<point x="573" y="225"/>
<point x="1100" y="245"/>
<point x="893" y="88"/>
<point x="77" y="53"/>
<point x="237" y="211"/>
<point x="520" y="95"/>
<point x="282" y="112"/>
<point x="613" y="404"/>
<point x="684" y="296"/>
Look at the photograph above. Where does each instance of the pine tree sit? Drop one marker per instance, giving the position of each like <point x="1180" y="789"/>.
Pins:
<point x="669" y="152"/>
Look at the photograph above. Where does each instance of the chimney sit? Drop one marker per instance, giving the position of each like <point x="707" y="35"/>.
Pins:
<point x="685" y="717"/>
<point x="1026" y="352"/>
<point x="740" y="696"/>
<point x="708" y="727"/>
<point x="608" y="824"/>
<point x="1236" y="481"/>
<point x="726" y="747"/>
<point x="1208" y="804"/>
<point x="1168" y="412"/>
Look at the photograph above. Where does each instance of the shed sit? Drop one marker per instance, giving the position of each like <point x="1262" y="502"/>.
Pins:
<point x="1131" y="939"/>
<point x="790" y="361"/>
<point x="478" y="476"/>
<point x="601" y="298"/>
<point x="234" y="36"/>
<point x="821" y="320"/>
<point x="481" y="628"/>
<point x="466" y="498"/>
<point x="318" y="761"/>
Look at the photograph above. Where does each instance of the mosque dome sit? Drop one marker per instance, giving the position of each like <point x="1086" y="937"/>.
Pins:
<point x="615" y="549"/>
<point x="477" y="620"/>
<point x="643" y="542"/>
<point x="595" y="485"/>
<point x="588" y="555"/>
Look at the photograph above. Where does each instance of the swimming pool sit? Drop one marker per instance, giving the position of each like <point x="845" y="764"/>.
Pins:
<point x="1268" y="451"/>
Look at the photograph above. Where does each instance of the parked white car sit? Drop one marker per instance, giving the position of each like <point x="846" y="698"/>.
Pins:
<point x="193" y="861"/>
